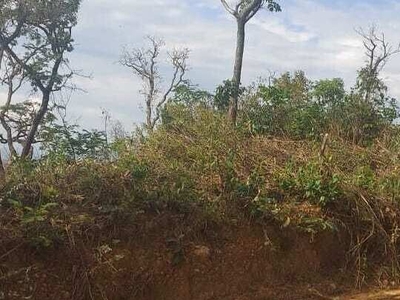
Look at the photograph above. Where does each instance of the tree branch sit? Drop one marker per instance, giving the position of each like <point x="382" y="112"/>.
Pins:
<point x="180" y="68"/>
<point x="233" y="12"/>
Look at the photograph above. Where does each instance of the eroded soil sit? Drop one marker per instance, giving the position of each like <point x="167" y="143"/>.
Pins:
<point x="168" y="257"/>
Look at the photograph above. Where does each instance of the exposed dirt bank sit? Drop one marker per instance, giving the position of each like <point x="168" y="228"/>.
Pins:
<point x="168" y="257"/>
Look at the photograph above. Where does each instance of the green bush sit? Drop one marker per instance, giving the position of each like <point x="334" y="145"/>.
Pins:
<point x="311" y="182"/>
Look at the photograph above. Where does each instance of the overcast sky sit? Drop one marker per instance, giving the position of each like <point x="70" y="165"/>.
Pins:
<point x="315" y="36"/>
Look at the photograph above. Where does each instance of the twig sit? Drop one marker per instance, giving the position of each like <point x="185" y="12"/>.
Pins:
<point x="11" y="251"/>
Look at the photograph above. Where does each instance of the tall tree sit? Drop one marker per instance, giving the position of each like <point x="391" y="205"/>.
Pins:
<point x="378" y="52"/>
<point x="36" y="35"/>
<point x="372" y="107"/>
<point x="243" y="11"/>
<point x="144" y="63"/>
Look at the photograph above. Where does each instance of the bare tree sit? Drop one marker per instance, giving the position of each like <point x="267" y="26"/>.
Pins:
<point x="106" y="116"/>
<point x="370" y="97"/>
<point x="243" y="11"/>
<point x="144" y="63"/>
<point x="377" y="52"/>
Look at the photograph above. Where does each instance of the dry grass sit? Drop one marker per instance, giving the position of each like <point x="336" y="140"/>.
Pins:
<point x="204" y="167"/>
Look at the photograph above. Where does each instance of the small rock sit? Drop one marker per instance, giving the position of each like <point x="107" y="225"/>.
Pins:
<point x="202" y="251"/>
<point x="385" y="283"/>
<point x="333" y="286"/>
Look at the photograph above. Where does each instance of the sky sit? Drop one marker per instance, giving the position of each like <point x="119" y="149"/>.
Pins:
<point x="317" y="36"/>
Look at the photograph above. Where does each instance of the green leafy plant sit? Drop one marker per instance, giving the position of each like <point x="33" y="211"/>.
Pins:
<point x="29" y="214"/>
<point x="311" y="182"/>
<point x="365" y="177"/>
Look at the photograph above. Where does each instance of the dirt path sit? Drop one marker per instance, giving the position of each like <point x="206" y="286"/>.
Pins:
<point x="382" y="295"/>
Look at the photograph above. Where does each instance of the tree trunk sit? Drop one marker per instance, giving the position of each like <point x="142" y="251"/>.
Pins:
<point x="148" y="115"/>
<point x="27" y="148"/>
<point x="3" y="122"/>
<point x="1" y="56"/>
<point x="149" y="102"/>
<point x="237" y="71"/>
<point x="2" y="170"/>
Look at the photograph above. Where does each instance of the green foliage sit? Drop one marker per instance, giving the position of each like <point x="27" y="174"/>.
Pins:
<point x="296" y="86"/>
<point x="285" y="108"/>
<point x="293" y="106"/>
<point x="44" y="36"/>
<point x="20" y="117"/>
<point x="311" y="182"/>
<point x="29" y="214"/>
<point x="360" y="121"/>
<point x="390" y="186"/>
<point x="186" y="100"/>
<point x="69" y="142"/>
<point x="271" y="5"/>
<point x="191" y="96"/>
<point x="223" y="94"/>
<point x="261" y="206"/>
<point x="329" y="92"/>
<point x="364" y="177"/>
<point x="186" y="157"/>
<point x="35" y="36"/>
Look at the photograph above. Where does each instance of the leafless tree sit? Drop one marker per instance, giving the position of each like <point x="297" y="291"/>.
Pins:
<point x="106" y="116"/>
<point x="370" y="90"/>
<point x="117" y="131"/>
<point x="144" y="63"/>
<point x="377" y="52"/>
<point x="243" y="11"/>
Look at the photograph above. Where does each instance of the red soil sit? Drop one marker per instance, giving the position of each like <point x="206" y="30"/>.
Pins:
<point x="168" y="258"/>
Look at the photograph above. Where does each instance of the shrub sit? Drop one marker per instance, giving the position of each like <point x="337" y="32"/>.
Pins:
<point x="311" y="182"/>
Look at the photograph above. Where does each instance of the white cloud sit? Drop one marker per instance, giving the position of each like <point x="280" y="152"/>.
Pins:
<point x="273" y="25"/>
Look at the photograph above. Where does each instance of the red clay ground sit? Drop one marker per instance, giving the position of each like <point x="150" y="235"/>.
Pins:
<point x="167" y="258"/>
